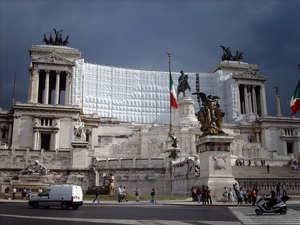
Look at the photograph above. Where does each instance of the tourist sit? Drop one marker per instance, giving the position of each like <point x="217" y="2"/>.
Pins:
<point x="7" y="196"/>
<point x="96" y="197"/>
<point x="40" y="190"/>
<point x="120" y="193"/>
<point x="278" y="189"/>
<point x="268" y="168"/>
<point x="253" y="196"/>
<point x="136" y="192"/>
<point x="203" y="195"/>
<point x="225" y="195"/>
<point x="153" y="195"/>
<point x="230" y="195"/>
<point x="23" y="193"/>
<point x="284" y="190"/>
<point x="240" y="194"/>
<point x="124" y="195"/>
<point x="208" y="195"/>
<point x="14" y="193"/>
<point x="194" y="193"/>
<point x="198" y="195"/>
<point x="28" y="194"/>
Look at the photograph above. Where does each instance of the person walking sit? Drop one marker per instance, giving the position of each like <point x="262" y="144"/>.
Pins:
<point x="230" y="195"/>
<point x="14" y="193"/>
<point x="153" y="195"/>
<point x="253" y="197"/>
<point x="240" y="194"/>
<point x="136" y="192"/>
<point x="268" y="168"/>
<point x="208" y="196"/>
<point x="203" y="195"/>
<point x="23" y="193"/>
<point x="120" y="194"/>
<point x="124" y="195"/>
<point x="96" y="196"/>
<point x="198" y="195"/>
<point x="225" y="195"/>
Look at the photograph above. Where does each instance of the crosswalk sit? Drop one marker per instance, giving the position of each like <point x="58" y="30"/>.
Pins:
<point x="247" y="216"/>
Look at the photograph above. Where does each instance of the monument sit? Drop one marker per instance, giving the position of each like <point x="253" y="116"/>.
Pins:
<point x="213" y="147"/>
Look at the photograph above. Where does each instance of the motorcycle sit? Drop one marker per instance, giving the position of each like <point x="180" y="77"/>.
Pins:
<point x="269" y="205"/>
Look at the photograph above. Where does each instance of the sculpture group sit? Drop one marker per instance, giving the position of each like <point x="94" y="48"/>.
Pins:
<point x="210" y="114"/>
<point x="58" y="39"/>
<point x="228" y="56"/>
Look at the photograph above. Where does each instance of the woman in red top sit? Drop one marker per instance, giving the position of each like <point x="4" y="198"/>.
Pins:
<point x="253" y="197"/>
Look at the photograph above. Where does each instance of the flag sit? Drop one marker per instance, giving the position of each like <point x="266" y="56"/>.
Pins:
<point x="173" y="100"/>
<point x="295" y="101"/>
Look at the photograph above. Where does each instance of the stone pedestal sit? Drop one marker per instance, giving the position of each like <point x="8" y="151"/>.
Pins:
<point x="185" y="115"/>
<point x="79" y="155"/>
<point x="215" y="164"/>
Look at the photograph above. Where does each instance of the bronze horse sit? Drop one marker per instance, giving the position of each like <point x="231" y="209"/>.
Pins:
<point x="183" y="86"/>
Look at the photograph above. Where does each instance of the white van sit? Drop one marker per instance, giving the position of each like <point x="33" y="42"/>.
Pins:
<point x="63" y="196"/>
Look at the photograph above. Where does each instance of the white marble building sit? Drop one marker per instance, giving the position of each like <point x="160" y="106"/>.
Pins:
<point x="125" y="117"/>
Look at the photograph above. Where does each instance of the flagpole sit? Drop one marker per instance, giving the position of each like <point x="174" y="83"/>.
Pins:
<point x="171" y="133"/>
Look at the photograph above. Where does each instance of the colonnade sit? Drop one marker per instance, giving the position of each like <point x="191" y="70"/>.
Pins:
<point x="40" y="92"/>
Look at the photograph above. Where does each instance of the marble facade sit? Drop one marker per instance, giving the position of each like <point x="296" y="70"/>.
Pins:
<point x="125" y="113"/>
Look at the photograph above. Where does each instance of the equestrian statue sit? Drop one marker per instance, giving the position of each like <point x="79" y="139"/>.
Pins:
<point x="183" y="84"/>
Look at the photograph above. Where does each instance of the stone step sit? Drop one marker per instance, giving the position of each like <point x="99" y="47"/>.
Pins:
<point x="261" y="172"/>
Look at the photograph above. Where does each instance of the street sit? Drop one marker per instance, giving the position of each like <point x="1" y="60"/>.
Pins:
<point x="142" y="213"/>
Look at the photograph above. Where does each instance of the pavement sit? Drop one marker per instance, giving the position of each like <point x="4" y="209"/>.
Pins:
<point x="188" y="202"/>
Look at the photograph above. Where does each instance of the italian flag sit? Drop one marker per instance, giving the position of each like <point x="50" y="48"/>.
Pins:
<point x="295" y="101"/>
<point x="173" y="100"/>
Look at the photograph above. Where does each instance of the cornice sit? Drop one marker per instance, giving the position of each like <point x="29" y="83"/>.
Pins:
<point x="250" y="74"/>
<point x="234" y="66"/>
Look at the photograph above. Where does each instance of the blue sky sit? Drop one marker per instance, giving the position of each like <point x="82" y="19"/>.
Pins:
<point x="138" y="34"/>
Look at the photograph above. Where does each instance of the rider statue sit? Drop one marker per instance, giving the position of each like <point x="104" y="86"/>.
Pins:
<point x="183" y="83"/>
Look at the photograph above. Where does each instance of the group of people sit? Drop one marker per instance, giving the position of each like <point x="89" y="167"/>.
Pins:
<point x="122" y="194"/>
<point x="236" y="193"/>
<point x="241" y="162"/>
<point x="202" y="194"/>
<point x="25" y="193"/>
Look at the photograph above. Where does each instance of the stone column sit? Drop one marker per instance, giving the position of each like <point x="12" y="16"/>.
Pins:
<point x="35" y="138"/>
<point x="257" y="136"/>
<point x="254" y="100"/>
<point x="46" y="91"/>
<point x="246" y="100"/>
<point x="68" y="89"/>
<point x="263" y="101"/>
<point x="34" y="86"/>
<point x="238" y="102"/>
<point x="57" y="88"/>
<point x="278" y="106"/>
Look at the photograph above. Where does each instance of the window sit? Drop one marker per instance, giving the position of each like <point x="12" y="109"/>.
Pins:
<point x="45" y="141"/>
<point x="289" y="147"/>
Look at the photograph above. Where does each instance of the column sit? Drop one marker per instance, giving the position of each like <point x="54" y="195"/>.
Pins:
<point x="35" y="138"/>
<point x="68" y="89"/>
<point x="278" y="106"/>
<point x="250" y="102"/>
<point x="57" y="80"/>
<point x="238" y="102"/>
<point x="254" y="100"/>
<point x="46" y="91"/>
<point x="246" y="100"/>
<point x="9" y="138"/>
<point x="263" y="101"/>
<point x="31" y="86"/>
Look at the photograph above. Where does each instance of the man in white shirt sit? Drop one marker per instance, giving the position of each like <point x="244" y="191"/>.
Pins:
<point x="120" y="193"/>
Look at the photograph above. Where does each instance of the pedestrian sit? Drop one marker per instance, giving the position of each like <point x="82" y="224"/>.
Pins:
<point x="253" y="197"/>
<point x="225" y="195"/>
<point x="203" y="195"/>
<point x="14" y="193"/>
<point x="124" y="195"/>
<point x="198" y="195"/>
<point x="153" y="195"/>
<point x="230" y="195"/>
<point x="6" y="195"/>
<point x="240" y="194"/>
<point x="278" y="189"/>
<point x="40" y="190"/>
<point x="268" y="168"/>
<point x="28" y="194"/>
<point x="120" y="194"/>
<point x="23" y="193"/>
<point x="97" y="196"/>
<point x="208" y="196"/>
<point x="284" y="190"/>
<point x="137" y="198"/>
